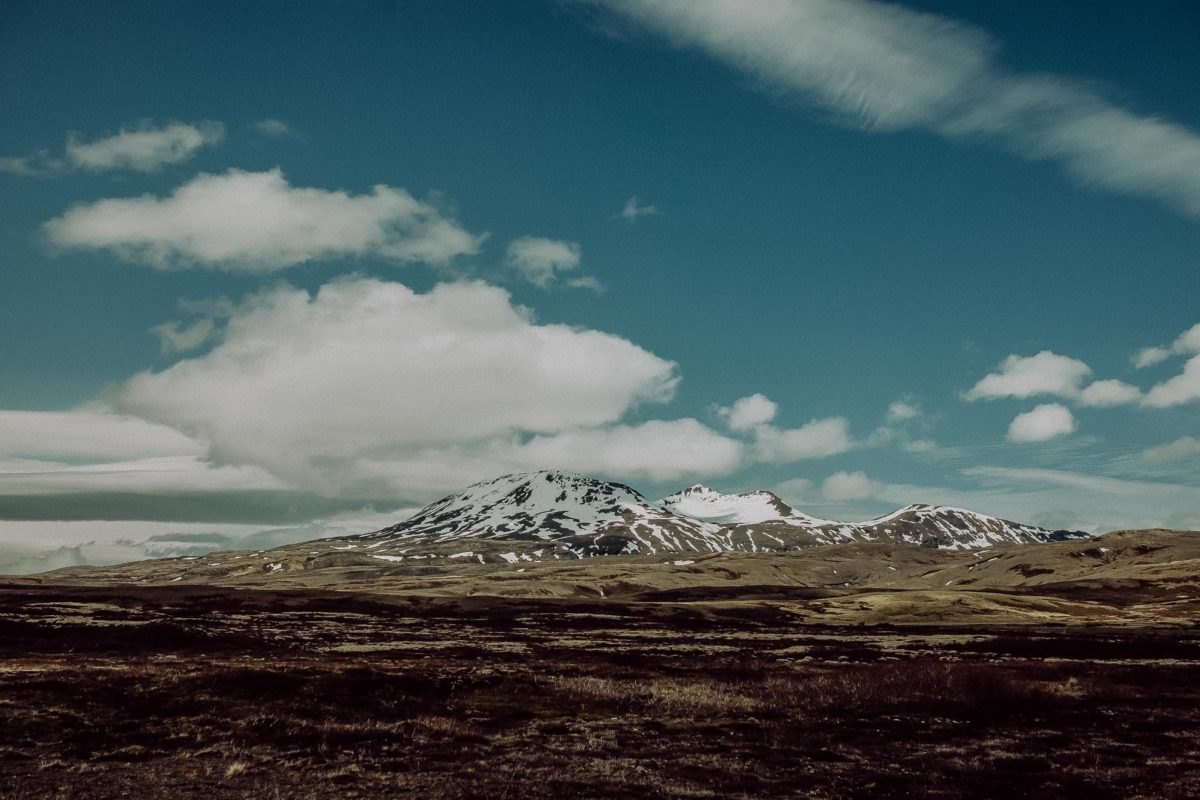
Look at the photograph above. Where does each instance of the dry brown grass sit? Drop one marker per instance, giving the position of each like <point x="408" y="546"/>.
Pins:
<point x="609" y="706"/>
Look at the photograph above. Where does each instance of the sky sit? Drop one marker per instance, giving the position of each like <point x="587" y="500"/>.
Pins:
<point x="274" y="271"/>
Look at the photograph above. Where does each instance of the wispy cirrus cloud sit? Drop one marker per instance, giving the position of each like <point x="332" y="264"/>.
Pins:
<point x="274" y="128"/>
<point x="635" y="208"/>
<point x="882" y="67"/>
<point x="258" y="222"/>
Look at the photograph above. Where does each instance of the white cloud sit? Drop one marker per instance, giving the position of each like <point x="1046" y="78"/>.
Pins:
<point x="882" y="67"/>
<point x="88" y="435"/>
<point x="1183" y="448"/>
<point x="258" y="222"/>
<point x="38" y="165"/>
<point x="144" y="148"/>
<point x="1061" y="499"/>
<point x="275" y="128"/>
<point x="1042" y="423"/>
<point x="1183" y="388"/>
<point x="749" y="412"/>
<point x="1149" y="356"/>
<point x="540" y="261"/>
<point x="150" y="474"/>
<point x="1186" y="343"/>
<point x="173" y="337"/>
<point x="794" y="490"/>
<point x="659" y="450"/>
<point x="843" y="486"/>
<point x="37" y="546"/>
<point x="817" y="439"/>
<point x="319" y="389"/>
<point x="902" y="410"/>
<point x="585" y="282"/>
<point x="635" y="209"/>
<point x="1104" y="394"/>
<point x="1027" y="376"/>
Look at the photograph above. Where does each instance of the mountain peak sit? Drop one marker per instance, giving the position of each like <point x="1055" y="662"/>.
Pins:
<point x="554" y="506"/>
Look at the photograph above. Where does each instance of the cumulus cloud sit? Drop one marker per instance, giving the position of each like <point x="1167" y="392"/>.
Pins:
<point x="1027" y="376"/>
<point x="749" y="412"/>
<point x="1187" y="342"/>
<point x="1183" y="448"/>
<point x="174" y="337"/>
<point x="143" y="148"/>
<point x="817" y="439"/>
<point x="635" y="209"/>
<point x="1183" y="388"/>
<point x="1149" y="356"/>
<point x="368" y="384"/>
<point x="902" y="411"/>
<point x="1105" y="394"/>
<point x="658" y="450"/>
<point x="882" y="67"/>
<point x="1044" y="422"/>
<point x="844" y="486"/>
<point x="774" y="445"/>
<point x="540" y="261"/>
<point x="258" y="222"/>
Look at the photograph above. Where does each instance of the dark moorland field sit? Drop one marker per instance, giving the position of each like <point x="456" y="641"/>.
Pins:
<point x="212" y="692"/>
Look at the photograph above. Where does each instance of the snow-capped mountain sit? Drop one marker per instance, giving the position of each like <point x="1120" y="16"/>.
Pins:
<point x="547" y="516"/>
<point x="557" y="514"/>
<point x="942" y="527"/>
<point x="589" y="516"/>
<point x="949" y="528"/>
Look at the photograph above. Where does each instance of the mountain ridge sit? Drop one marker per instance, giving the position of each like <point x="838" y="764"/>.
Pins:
<point x="595" y="517"/>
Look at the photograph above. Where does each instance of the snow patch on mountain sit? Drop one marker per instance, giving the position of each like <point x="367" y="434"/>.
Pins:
<point x="701" y="502"/>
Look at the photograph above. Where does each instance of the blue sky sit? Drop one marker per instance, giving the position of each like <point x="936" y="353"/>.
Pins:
<point x="285" y="269"/>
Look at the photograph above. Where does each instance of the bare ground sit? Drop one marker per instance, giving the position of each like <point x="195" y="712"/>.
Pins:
<point x="220" y="693"/>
